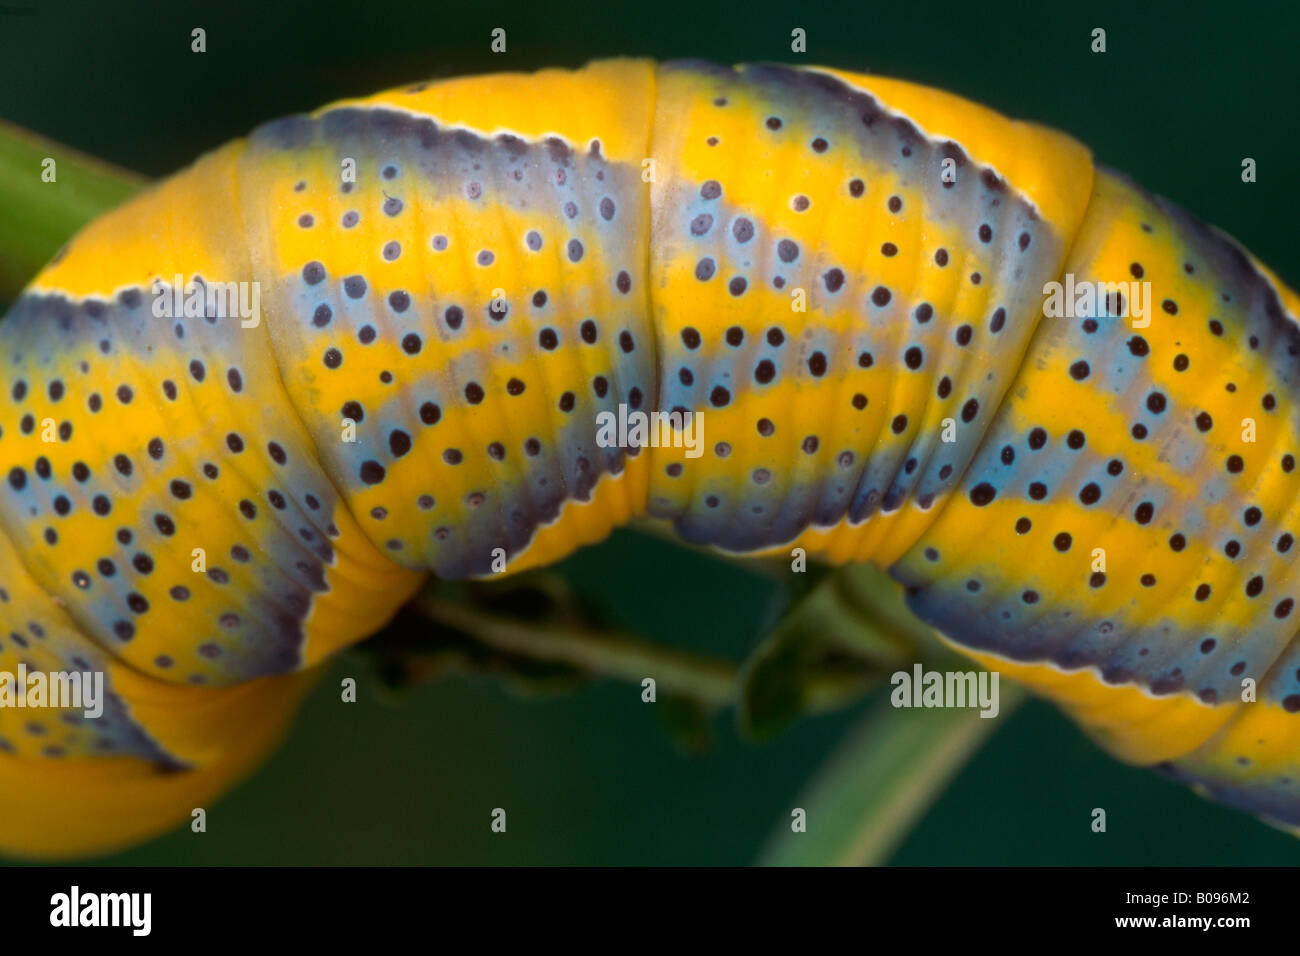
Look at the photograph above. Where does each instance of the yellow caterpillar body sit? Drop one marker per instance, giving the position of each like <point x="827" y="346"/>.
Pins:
<point x="844" y="276"/>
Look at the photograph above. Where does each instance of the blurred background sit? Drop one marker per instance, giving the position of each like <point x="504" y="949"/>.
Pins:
<point x="1182" y="94"/>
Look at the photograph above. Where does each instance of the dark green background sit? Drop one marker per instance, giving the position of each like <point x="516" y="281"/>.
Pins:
<point x="1183" y="94"/>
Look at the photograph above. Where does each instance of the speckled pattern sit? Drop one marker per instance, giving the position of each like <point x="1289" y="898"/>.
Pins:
<point x="920" y="295"/>
<point x="520" y="269"/>
<point x="843" y="276"/>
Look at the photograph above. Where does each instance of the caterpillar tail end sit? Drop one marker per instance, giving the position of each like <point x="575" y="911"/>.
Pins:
<point x="72" y="809"/>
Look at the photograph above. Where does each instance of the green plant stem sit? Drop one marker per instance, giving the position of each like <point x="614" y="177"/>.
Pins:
<point x="39" y="216"/>
<point x="881" y="780"/>
<point x="709" y="680"/>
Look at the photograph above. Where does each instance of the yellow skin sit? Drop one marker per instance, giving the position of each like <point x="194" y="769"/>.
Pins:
<point x="845" y="274"/>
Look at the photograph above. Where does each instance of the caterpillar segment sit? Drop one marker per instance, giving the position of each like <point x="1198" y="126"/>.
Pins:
<point x="834" y="288"/>
<point x="1122" y="540"/>
<point x="472" y="302"/>
<point x="841" y="276"/>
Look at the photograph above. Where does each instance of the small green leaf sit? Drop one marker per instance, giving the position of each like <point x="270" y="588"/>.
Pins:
<point x="832" y="646"/>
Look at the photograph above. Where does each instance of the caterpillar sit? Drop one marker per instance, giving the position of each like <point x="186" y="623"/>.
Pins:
<point x="843" y="276"/>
